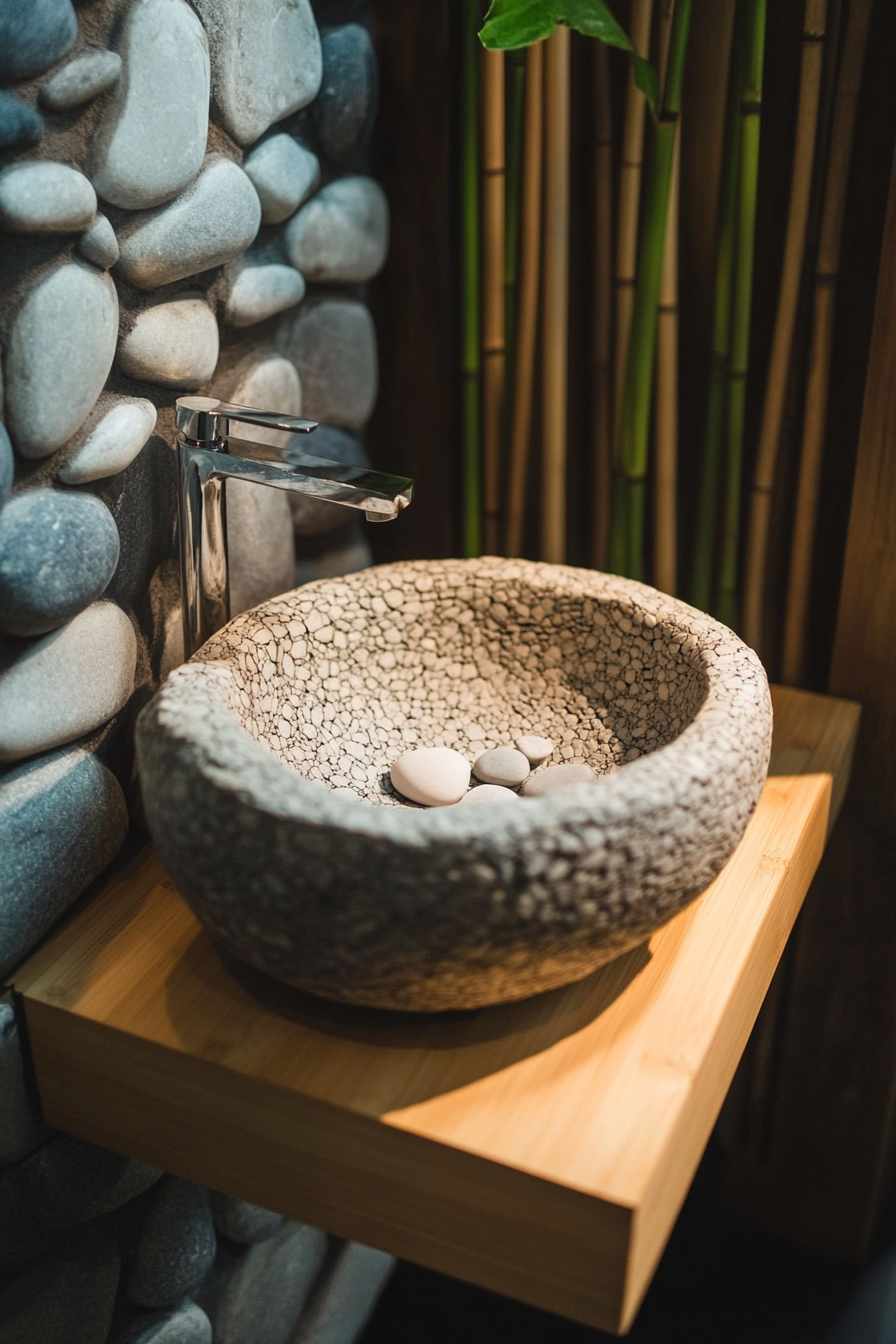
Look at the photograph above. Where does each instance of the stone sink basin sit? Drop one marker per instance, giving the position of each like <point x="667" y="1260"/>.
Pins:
<point x="359" y="897"/>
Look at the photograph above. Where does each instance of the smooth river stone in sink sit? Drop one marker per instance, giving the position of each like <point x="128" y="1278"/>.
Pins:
<point x="502" y="765"/>
<point x="488" y="795"/>
<point x="557" y="777"/>
<point x="433" y="776"/>
<point x="535" y="749"/>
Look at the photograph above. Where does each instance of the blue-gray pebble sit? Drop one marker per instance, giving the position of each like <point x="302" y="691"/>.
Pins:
<point x="186" y="1324"/>
<point x="242" y="1222"/>
<point x="7" y="466"/>
<point x="19" y="124"/>
<point x="58" y="551"/>
<point x="345" y="109"/>
<point x="176" y="1246"/>
<point x="63" y="817"/>
<point x="66" y="1181"/>
<point x="34" y="34"/>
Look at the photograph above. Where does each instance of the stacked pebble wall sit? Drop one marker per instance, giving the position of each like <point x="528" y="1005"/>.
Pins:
<point x="184" y="207"/>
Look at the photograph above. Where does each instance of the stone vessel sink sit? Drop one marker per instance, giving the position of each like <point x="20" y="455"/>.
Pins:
<point x="360" y="897"/>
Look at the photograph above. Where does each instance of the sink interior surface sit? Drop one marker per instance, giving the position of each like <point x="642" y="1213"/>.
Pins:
<point x="341" y="678"/>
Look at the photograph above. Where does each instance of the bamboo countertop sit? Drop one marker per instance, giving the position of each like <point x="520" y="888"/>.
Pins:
<point x="540" y="1149"/>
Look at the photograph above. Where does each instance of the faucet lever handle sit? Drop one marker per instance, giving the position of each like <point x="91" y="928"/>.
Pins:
<point x="205" y="420"/>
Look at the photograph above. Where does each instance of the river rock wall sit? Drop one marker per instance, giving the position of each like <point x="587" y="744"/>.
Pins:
<point x="184" y="206"/>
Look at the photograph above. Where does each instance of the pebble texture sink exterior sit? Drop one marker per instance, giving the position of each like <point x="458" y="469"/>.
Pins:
<point x="376" y="902"/>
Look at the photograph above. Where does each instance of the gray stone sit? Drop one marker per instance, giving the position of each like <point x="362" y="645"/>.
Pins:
<point x="99" y="244"/>
<point x="310" y="516"/>
<point x="332" y="343"/>
<point x="342" y="234"/>
<point x="331" y="564"/>
<point x="176" y="1246"/>
<point x="211" y="222"/>
<point x="557" y="777"/>
<point x="535" y="749"/>
<point x="263" y="69"/>
<point x="62" y="819"/>
<point x="65" y="1182"/>
<point x="187" y="1324"/>
<point x="423" y="910"/>
<point x="174" y="344"/>
<point x="330" y="13"/>
<point x="256" y="1296"/>
<point x="283" y="173"/>
<point x="7" y="466"/>
<point x="260" y="544"/>
<point x="245" y="1223"/>
<point x="488" y="795"/>
<point x="258" y="291"/>
<point x="59" y="351"/>
<point x="19" y="123"/>
<point x="344" y="1299"/>
<point x="345" y="109"/>
<point x="58" y="552"/>
<point x="161" y="101"/>
<point x="67" y="683"/>
<point x="42" y="197"/>
<point x="82" y="78"/>
<point x="21" y="1126"/>
<point x="502" y="765"/>
<point x="67" y="1299"/>
<point x="259" y="524"/>
<point x="34" y="34"/>
<point x="109" y="440"/>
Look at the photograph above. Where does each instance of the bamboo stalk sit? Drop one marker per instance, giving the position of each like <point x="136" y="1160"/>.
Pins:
<point x="825" y="296"/>
<point x="556" y="296"/>
<point x="741" y="304"/>
<point x="470" y="295"/>
<point x="515" y="86"/>
<point x="493" y="353"/>
<point x="785" y="322"/>
<point x="627" y="539"/>
<point x="602" y="405"/>
<point x="665" y="536"/>
<point x="717" y="387"/>
<point x="665" y="540"/>
<point x="630" y="170"/>
<point x="527" y="313"/>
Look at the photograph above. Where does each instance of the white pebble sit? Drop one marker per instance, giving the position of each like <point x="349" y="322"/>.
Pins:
<point x="487" y="795"/>
<point x="502" y="765"/>
<point x="433" y="776"/>
<point x="535" y="749"/>
<point x="557" y="777"/>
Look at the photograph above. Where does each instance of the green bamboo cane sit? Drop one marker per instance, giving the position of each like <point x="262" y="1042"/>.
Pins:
<point x="627" y="528"/>
<point x="515" y="87"/>
<point x="742" y="294"/>
<point x="470" y="282"/>
<point x="716" y="398"/>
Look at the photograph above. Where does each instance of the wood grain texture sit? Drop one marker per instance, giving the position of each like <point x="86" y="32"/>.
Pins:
<point x="540" y="1149"/>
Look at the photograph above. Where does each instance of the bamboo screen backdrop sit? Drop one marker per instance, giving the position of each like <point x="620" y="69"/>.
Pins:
<point x="517" y="185"/>
<point x="518" y="182"/>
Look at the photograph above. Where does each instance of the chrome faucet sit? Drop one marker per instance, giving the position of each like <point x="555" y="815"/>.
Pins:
<point x="206" y="457"/>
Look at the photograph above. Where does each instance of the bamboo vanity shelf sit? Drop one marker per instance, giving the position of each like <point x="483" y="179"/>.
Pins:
<point x="541" y="1149"/>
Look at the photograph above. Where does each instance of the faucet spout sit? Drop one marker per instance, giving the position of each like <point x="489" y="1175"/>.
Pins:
<point x="207" y="457"/>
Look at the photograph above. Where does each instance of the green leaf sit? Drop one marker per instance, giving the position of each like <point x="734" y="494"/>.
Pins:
<point x="593" y="18"/>
<point x="510" y="24"/>
<point x="647" y="80"/>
